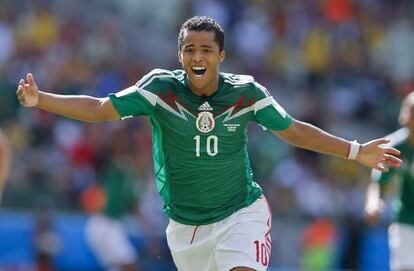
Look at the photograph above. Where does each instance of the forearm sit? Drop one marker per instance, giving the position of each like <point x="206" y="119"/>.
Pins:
<point x="308" y="136"/>
<point x="80" y="107"/>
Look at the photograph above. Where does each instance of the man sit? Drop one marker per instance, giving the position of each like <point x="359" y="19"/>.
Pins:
<point x="5" y="160"/>
<point x="115" y="251"/>
<point x="401" y="231"/>
<point x="219" y="219"/>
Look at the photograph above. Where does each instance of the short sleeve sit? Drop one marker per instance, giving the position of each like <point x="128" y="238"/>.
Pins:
<point x="133" y="101"/>
<point x="141" y="98"/>
<point x="267" y="112"/>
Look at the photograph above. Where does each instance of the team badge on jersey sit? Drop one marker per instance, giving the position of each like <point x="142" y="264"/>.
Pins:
<point x="205" y="122"/>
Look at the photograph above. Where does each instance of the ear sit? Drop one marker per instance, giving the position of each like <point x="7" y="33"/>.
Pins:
<point x="222" y="56"/>
<point x="179" y="57"/>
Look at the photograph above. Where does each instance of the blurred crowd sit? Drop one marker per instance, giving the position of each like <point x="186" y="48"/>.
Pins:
<point x="343" y="65"/>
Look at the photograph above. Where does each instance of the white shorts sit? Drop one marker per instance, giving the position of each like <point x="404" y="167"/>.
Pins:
<point x="401" y="242"/>
<point x="109" y="241"/>
<point x="242" y="239"/>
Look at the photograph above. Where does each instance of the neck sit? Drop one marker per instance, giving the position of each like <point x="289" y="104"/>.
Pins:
<point x="206" y="90"/>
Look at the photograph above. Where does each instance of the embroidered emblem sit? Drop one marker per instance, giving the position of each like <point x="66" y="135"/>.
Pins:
<point x="205" y="122"/>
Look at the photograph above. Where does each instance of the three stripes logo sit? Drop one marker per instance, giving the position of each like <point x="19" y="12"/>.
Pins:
<point x="205" y="107"/>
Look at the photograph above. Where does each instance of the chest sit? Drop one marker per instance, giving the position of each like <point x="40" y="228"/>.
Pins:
<point x="224" y="115"/>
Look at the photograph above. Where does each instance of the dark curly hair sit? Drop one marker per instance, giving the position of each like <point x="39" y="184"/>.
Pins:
<point x="202" y="23"/>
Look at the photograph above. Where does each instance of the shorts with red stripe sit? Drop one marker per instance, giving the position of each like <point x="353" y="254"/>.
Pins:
<point x="242" y="239"/>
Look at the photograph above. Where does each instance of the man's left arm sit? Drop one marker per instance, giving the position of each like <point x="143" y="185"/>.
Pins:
<point x="372" y="154"/>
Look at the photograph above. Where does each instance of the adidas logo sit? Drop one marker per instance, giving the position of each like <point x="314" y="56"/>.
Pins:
<point x="205" y="107"/>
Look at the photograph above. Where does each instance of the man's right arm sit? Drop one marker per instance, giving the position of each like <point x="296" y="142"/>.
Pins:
<point x="80" y="107"/>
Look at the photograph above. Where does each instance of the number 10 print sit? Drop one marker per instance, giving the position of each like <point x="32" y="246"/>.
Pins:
<point x="211" y="145"/>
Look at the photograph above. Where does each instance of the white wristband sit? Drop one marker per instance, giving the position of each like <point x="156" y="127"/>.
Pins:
<point x="353" y="150"/>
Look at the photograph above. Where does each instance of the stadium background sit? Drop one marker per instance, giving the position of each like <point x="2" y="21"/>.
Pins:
<point x="340" y="64"/>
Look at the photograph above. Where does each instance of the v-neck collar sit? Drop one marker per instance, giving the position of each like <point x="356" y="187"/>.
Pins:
<point x="219" y="87"/>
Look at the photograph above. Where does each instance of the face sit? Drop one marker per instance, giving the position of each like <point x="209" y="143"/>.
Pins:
<point x="200" y="58"/>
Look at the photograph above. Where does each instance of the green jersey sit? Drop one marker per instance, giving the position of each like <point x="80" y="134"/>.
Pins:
<point x="120" y="189"/>
<point x="201" y="164"/>
<point x="403" y="204"/>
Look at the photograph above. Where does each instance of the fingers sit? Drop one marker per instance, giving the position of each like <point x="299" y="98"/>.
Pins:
<point x="381" y="141"/>
<point x="20" y="89"/>
<point x="391" y="160"/>
<point x="388" y="161"/>
<point x="30" y="80"/>
<point x="27" y="92"/>
<point x="22" y="84"/>
<point x="20" y="92"/>
<point x="21" y="99"/>
<point x="391" y="150"/>
<point x="382" y="168"/>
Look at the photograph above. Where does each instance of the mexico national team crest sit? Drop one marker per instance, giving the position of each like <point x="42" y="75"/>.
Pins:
<point x="205" y="122"/>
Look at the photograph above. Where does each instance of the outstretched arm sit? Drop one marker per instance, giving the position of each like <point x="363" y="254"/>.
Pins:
<point x="371" y="154"/>
<point x="81" y="107"/>
<point x="5" y="160"/>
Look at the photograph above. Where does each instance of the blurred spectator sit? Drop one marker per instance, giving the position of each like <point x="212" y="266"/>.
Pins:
<point x="120" y="185"/>
<point x="5" y="160"/>
<point x="401" y="230"/>
<point x="47" y="242"/>
<point x="319" y="245"/>
<point x="7" y="39"/>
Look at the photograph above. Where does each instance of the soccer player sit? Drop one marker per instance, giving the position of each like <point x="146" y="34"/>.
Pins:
<point x="5" y="160"/>
<point x="105" y="231"/>
<point x="401" y="231"/>
<point x="219" y="218"/>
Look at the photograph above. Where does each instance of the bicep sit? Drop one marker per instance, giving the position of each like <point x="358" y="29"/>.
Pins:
<point x="291" y="133"/>
<point x="107" y="111"/>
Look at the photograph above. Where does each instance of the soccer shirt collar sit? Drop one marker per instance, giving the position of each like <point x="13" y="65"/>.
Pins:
<point x="220" y="86"/>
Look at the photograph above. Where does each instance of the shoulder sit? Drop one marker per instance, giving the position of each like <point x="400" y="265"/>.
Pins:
<point x="161" y="76"/>
<point x="240" y="81"/>
<point x="237" y="79"/>
<point x="245" y="82"/>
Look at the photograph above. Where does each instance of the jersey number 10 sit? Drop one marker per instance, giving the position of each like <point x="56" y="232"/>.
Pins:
<point x="211" y="145"/>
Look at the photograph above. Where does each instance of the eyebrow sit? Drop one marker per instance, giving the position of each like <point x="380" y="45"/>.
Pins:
<point x="202" y="46"/>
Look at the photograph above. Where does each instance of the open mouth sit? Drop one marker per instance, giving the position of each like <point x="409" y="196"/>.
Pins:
<point x="199" y="71"/>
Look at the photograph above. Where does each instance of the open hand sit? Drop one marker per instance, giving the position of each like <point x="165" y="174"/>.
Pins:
<point x="375" y="154"/>
<point x="28" y="93"/>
